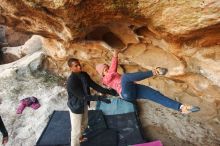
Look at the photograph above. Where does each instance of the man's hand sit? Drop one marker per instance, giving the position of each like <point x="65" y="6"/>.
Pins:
<point x="113" y="92"/>
<point x="5" y="140"/>
<point x="103" y="99"/>
<point x="98" y="98"/>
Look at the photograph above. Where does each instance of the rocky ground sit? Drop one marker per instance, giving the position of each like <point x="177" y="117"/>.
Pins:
<point x="24" y="129"/>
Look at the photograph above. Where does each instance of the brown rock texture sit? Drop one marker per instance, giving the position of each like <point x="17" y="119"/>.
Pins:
<point x="181" y="35"/>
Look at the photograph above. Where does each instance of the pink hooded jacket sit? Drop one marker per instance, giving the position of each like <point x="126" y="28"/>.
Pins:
<point x="113" y="78"/>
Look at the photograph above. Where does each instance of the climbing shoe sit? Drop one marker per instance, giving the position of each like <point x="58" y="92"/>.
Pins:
<point x="161" y="71"/>
<point x="186" y="109"/>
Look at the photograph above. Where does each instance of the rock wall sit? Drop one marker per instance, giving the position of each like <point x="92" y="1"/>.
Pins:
<point x="183" y="36"/>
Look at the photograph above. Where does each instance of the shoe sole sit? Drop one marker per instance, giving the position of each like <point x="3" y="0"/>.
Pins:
<point x="195" y="109"/>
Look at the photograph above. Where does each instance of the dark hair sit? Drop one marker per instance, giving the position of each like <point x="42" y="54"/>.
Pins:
<point x="71" y="60"/>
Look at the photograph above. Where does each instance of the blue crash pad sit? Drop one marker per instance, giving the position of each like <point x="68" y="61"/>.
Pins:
<point x="117" y="106"/>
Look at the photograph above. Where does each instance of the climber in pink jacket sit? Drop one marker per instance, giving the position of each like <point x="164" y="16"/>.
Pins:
<point x="129" y="90"/>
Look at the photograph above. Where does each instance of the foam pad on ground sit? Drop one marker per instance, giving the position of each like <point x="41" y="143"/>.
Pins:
<point x="96" y="123"/>
<point x="105" y="138"/>
<point x="57" y="131"/>
<point x="128" y="128"/>
<point x="117" y="106"/>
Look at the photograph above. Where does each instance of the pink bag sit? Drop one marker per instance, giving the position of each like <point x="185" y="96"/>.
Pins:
<point x="30" y="102"/>
<point x="21" y="107"/>
<point x="35" y="105"/>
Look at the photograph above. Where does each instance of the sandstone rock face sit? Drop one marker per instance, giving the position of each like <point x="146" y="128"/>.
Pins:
<point x="183" y="36"/>
<point x="15" y="38"/>
<point x="11" y="37"/>
<point x="14" y="53"/>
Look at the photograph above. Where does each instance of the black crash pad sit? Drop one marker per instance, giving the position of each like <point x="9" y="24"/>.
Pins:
<point x="107" y="137"/>
<point x="127" y="126"/>
<point x="123" y="129"/>
<point x="57" y="131"/>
